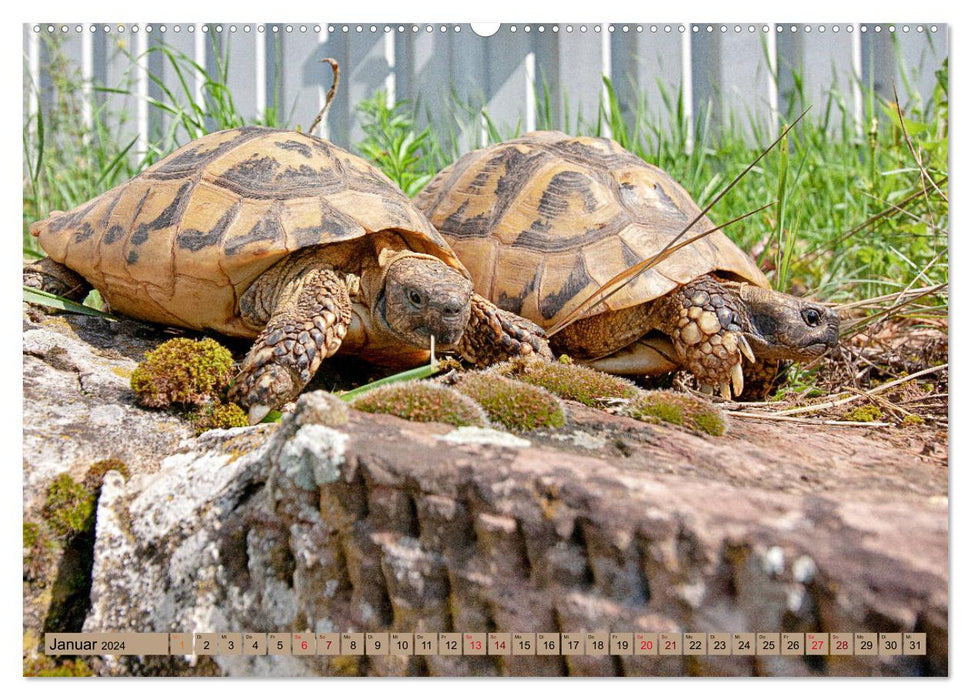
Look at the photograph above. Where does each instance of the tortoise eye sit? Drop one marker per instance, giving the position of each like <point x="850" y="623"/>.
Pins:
<point x="812" y="317"/>
<point x="414" y="297"/>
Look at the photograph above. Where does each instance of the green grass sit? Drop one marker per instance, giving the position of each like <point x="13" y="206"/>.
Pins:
<point x="855" y="216"/>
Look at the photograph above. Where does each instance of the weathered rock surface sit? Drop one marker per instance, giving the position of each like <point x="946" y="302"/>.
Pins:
<point x="377" y="524"/>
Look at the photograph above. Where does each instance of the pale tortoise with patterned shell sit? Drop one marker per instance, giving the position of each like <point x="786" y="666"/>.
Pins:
<point x="281" y="237"/>
<point x="543" y="221"/>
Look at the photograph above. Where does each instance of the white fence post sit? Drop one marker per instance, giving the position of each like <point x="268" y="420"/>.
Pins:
<point x="452" y="74"/>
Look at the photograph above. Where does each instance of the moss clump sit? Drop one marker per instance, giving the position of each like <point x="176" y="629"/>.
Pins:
<point x="183" y="371"/>
<point x="423" y="402"/>
<point x="678" y="409"/>
<point x="69" y="508"/>
<point x="656" y="409"/>
<point x="569" y="381"/>
<point x="711" y="421"/>
<point x="96" y="472"/>
<point x="39" y="553"/>
<point x="219" y="415"/>
<point x="31" y="534"/>
<point x="864" y="414"/>
<point x="912" y="419"/>
<point x="516" y="405"/>
<point x="48" y="666"/>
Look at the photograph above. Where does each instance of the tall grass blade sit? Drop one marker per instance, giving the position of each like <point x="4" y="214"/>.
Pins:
<point x="36" y="296"/>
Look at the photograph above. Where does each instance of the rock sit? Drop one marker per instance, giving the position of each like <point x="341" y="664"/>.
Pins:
<point x="358" y="522"/>
<point x="78" y="405"/>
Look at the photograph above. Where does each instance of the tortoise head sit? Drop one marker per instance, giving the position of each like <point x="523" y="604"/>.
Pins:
<point x="784" y="327"/>
<point x="424" y="297"/>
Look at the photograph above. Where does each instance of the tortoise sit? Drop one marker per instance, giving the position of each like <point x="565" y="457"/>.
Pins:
<point x="543" y="221"/>
<point x="281" y="237"/>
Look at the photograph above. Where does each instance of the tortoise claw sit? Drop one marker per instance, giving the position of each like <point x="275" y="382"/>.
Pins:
<point x="725" y="391"/>
<point x="738" y="379"/>
<point x="746" y="349"/>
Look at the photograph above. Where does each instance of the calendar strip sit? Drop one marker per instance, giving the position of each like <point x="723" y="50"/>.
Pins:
<point x="489" y="644"/>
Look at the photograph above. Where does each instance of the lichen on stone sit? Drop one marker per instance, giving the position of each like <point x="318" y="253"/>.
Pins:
<point x="678" y="409"/>
<point x="422" y="402"/>
<point x="516" y="405"/>
<point x="567" y="380"/>
<point x="321" y="408"/>
<point x="183" y="371"/>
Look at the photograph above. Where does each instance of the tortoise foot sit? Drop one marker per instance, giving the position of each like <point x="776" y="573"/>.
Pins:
<point x="308" y="324"/>
<point x="262" y="389"/>
<point x="709" y="338"/>
<point x="494" y="335"/>
<point x="49" y="276"/>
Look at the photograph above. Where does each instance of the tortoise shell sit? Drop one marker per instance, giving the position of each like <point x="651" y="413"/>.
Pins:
<point x="182" y="241"/>
<point x="543" y="221"/>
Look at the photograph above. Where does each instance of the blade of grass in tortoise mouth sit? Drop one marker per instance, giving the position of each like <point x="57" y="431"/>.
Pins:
<point x="417" y="373"/>
<point x="616" y="283"/>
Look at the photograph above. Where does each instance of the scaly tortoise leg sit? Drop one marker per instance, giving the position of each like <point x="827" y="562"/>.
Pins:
<point x="704" y="322"/>
<point x="308" y="323"/>
<point x="494" y="335"/>
<point x="49" y="276"/>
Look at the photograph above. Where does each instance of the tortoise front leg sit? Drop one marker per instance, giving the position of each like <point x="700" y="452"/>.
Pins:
<point x="703" y="319"/>
<point x="308" y="323"/>
<point x="494" y="335"/>
<point x="49" y="276"/>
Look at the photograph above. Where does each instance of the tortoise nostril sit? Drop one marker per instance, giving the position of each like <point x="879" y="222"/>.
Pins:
<point x="452" y="309"/>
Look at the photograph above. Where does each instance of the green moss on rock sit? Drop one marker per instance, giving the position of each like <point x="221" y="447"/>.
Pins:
<point x="516" y="405"/>
<point x="47" y="666"/>
<point x="423" y="402"/>
<point x="655" y="409"/>
<point x="69" y="508"/>
<point x="864" y="414"/>
<point x="39" y="553"/>
<point x="711" y="421"/>
<point x="31" y="534"/>
<point x="569" y="381"/>
<point x="219" y="415"/>
<point x="183" y="371"/>
<point x="678" y="409"/>
<point x="96" y="472"/>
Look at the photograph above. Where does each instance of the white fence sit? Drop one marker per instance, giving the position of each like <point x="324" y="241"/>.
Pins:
<point x="752" y="72"/>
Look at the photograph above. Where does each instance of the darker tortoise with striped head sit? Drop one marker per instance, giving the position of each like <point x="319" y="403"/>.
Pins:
<point x="281" y="237"/>
<point x="543" y="221"/>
